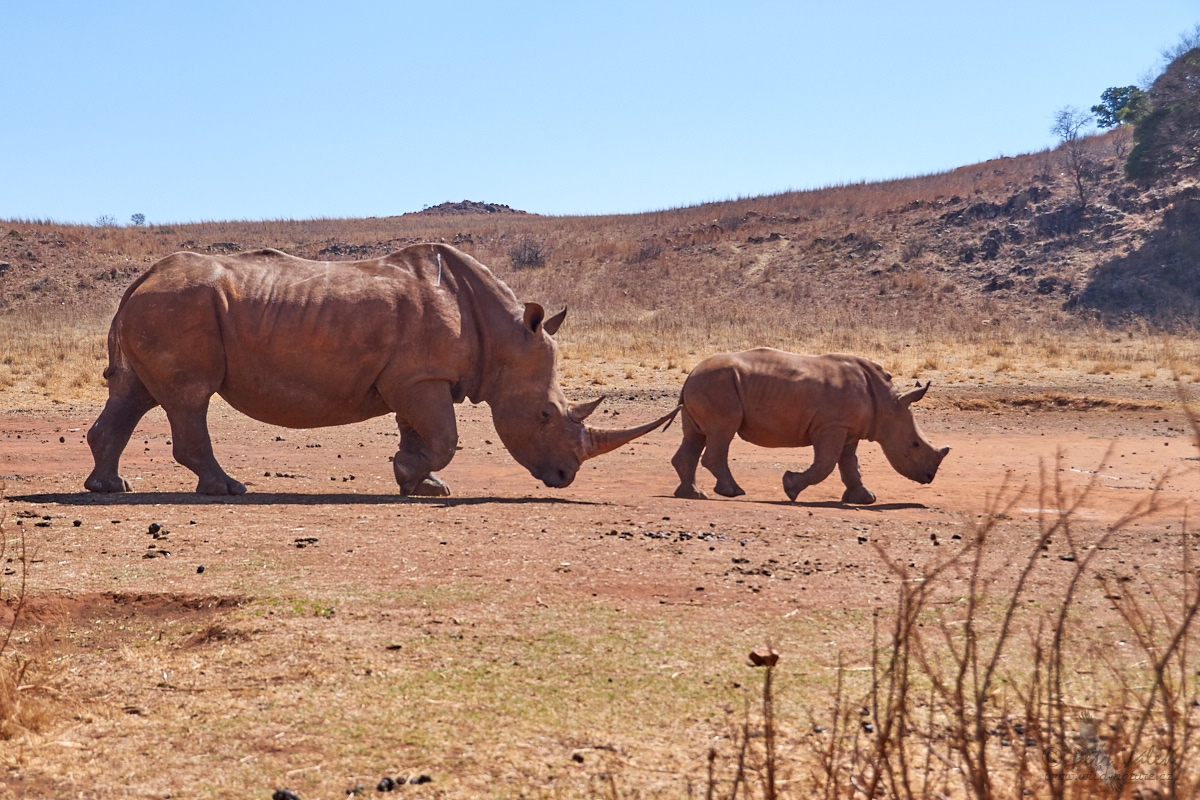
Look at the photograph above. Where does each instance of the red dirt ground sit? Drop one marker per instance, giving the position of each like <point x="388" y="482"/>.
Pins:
<point x="322" y="514"/>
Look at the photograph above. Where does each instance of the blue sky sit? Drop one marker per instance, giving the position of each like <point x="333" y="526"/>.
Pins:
<point x="270" y="110"/>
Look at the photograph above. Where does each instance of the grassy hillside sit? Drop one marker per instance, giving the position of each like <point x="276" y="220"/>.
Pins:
<point x="984" y="269"/>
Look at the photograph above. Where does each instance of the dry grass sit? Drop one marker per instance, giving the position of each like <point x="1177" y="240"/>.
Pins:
<point x="29" y="699"/>
<point x="57" y="354"/>
<point x="975" y="695"/>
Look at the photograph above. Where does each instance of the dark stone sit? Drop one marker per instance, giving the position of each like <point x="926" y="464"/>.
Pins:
<point x="989" y="248"/>
<point x="386" y="785"/>
<point x="285" y="794"/>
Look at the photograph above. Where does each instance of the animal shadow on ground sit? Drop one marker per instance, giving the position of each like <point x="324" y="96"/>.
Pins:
<point x="278" y="498"/>
<point x="848" y="506"/>
<point x="820" y="504"/>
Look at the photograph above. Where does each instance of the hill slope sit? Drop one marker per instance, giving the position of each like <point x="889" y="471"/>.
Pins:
<point x="999" y="243"/>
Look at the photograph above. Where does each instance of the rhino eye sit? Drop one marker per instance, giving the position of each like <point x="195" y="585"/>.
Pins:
<point x="916" y="444"/>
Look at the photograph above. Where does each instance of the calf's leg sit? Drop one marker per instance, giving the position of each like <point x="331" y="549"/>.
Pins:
<point x="128" y="402"/>
<point x="856" y="493"/>
<point x="716" y="461"/>
<point x="827" y="449"/>
<point x="687" y="458"/>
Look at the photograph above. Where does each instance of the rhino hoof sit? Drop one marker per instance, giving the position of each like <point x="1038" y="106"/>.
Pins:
<point x="431" y="486"/>
<point x="690" y="493"/>
<point x="222" y="487"/>
<point x="107" y="485"/>
<point x="792" y="484"/>
<point x="729" y="491"/>
<point x="858" y="496"/>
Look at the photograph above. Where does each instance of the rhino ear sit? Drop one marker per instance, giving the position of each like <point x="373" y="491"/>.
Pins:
<point x="581" y="411"/>
<point x="908" y="398"/>
<point x="551" y="325"/>
<point x="534" y="314"/>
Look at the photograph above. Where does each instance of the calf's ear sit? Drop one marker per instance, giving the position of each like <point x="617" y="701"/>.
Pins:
<point x="908" y="398"/>
<point x="551" y="325"/>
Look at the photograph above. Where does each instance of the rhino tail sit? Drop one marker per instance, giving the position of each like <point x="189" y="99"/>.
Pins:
<point x="674" y="413"/>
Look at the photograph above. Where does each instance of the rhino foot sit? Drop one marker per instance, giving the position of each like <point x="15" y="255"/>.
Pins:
<point x="793" y="484"/>
<point x="108" y="485"/>
<point x="690" y="493"/>
<point x="858" y="496"/>
<point x="221" y="487"/>
<point x="431" y="486"/>
<point x="729" y="490"/>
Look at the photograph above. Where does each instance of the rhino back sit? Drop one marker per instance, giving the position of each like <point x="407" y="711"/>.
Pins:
<point x="302" y="343"/>
<point x="783" y="397"/>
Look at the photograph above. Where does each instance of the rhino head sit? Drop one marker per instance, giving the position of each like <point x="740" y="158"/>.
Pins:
<point x="906" y="448"/>
<point x="542" y="430"/>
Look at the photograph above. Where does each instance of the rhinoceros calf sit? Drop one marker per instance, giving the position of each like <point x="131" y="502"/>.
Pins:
<point x="305" y="344"/>
<point x="775" y="399"/>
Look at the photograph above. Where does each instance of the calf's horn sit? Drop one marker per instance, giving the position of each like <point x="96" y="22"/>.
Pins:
<point x="598" y="442"/>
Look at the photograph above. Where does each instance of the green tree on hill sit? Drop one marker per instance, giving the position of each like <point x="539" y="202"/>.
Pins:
<point x="1119" y="105"/>
<point x="1166" y="139"/>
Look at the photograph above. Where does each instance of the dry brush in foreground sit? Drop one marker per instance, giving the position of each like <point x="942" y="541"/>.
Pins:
<point x="978" y="696"/>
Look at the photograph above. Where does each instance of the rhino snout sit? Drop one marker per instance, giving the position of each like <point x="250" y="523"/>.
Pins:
<point x="929" y="476"/>
<point x="555" y="477"/>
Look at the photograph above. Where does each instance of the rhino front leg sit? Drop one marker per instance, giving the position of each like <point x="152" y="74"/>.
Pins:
<point x="827" y="449"/>
<point x="856" y="493"/>
<point x="428" y="437"/>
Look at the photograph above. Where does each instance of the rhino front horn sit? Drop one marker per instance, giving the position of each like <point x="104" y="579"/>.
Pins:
<point x="598" y="442"/>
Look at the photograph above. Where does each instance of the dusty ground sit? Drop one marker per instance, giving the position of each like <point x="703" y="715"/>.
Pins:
<point x="511" y="639"/>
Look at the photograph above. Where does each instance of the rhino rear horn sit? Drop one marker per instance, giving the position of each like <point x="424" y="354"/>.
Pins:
<point x="582" y="411"/>
<point x="598" y="442"/>
<point x="908" y="398"/>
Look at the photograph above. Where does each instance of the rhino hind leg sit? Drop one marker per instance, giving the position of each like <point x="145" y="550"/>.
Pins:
<point x="685" y="461"/>
<point x="192" y="447"/>
<point x="128" y="402"/>
<point x="716" y="461"/>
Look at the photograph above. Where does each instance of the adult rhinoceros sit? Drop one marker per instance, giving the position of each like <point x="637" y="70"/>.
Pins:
<point x="306" y="344"/>
<point x="775" y="399"/>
